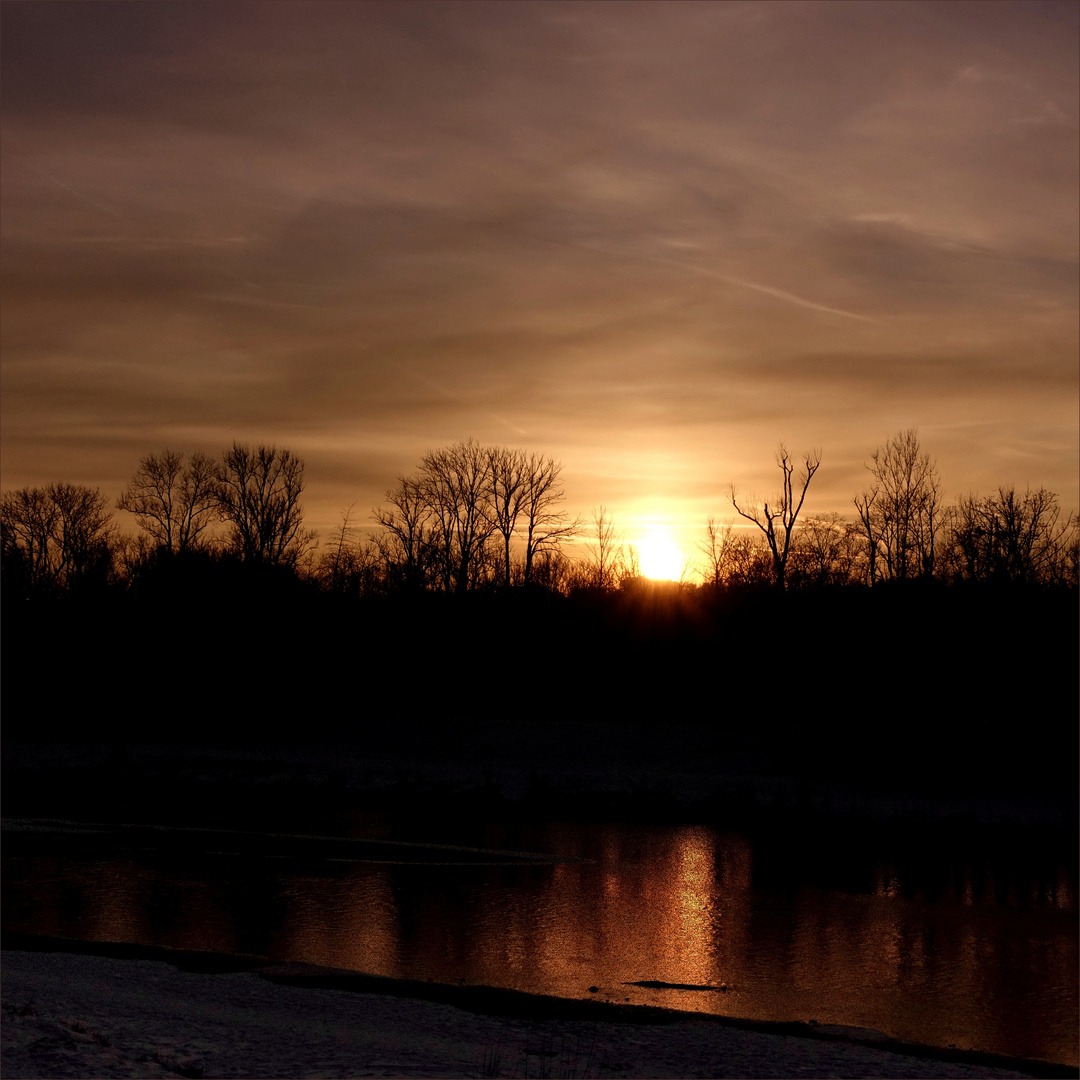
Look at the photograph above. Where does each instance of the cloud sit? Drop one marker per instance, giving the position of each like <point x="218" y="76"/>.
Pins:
<point x="685" y="230"/>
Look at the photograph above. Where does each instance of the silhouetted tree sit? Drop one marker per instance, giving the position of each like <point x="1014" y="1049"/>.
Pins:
<point x="55" y="537"/>
<point x="131" y="554"/>
<point x="525" y="496"/>
<point x="778" y="520"/>
<point x="1011" y="538"/>
<point x="174" y="500"/>
<point x="456" y="489"/>
<point x="349" y="567"/>
<point x="716" y="547"/>
<point x="750" y="561"/>
<point x="899" y="514"/>
<point x="332" y="563"/>
<point x="825" y="550"/>
<point x="404" y="539"/>
<point x="259" y="498"/>
<point x="546" y="524"/>
<point x="627" y="565"/>
<point x="438" y="527"/>
<point x="605" y="553"/>
<point x="508" y="479"/>
<point x="552" y="570"/>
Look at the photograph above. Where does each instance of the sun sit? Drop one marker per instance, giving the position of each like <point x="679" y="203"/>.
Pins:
<point x="661" y="558"/>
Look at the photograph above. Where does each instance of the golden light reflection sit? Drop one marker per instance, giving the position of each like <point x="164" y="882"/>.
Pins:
<point x="121" y="915"/>
<point x="698" y="884"/>
<point x="886" y="883"/>
<point x="660" y="919"/>
<point x="611" y="886"/>
<point x="565" y="942"/>
<point x="883" y="947"/>
<point x="351" y="925"/>
<point x="1064" y="897"/>
<point x="683" y="906"/>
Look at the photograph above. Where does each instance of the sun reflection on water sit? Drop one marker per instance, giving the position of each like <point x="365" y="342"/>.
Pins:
<point x="919" y="954"/>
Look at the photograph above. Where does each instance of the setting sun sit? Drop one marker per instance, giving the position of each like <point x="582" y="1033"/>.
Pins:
<point x="661" y="557"/>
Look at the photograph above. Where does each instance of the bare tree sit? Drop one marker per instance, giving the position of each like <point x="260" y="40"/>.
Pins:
<point x="509" y="480"/>
<point x="439" y="523"/>
<point x="526" y="494"/>
<point x="131" y="554"/>
<point x="1019" y="539"/>
<point x="456" y="488"/>
<point x="627" y="565"/>
<point x="778" y="520"/>
<point x="864" y="504"/>
<point x="824" y="550"/>
<point x="900" y="514"/>
<point x="605" y="552"/>
<point x="259" y="497"/>
<point x="349" y="567"/>
<point x="553" y="570"/>
<point x="404" y="537"/>
<point x="547" y="525"/>
<point x="716" y="547"/>
<point x="55" y="536"/>
<point x="750" y="560"/>
<point x="174" y="500"/>
<point x="27" y="526"/>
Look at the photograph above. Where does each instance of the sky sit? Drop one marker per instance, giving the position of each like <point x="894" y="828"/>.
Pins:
<point x="651" y="240"/>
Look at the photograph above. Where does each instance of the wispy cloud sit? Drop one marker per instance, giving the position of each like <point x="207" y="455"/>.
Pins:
<point x="606" y="231"/>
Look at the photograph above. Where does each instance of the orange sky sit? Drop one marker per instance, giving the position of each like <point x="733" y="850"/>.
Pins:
<point x="649" y="239"/>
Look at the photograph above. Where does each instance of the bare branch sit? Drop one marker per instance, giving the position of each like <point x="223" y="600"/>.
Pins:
<point x="259" y="496"/>
<point x="778" y="521"/>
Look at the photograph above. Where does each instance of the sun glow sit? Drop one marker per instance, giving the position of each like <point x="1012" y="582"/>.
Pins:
<point x="661" y="558"/>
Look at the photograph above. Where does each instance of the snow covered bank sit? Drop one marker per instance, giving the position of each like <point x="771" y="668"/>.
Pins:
<point x="77" y="1015"/>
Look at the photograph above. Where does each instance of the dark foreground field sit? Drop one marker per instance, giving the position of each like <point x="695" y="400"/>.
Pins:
<point x="936" y="692"/>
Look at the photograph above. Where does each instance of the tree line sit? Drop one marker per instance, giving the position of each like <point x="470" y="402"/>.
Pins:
<point x="474" y="517"/>
<point x="63" y="538"/>
<point x="902" y="531"/>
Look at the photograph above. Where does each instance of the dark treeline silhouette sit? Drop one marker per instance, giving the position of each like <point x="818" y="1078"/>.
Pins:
<point x="454" y="524"/>
<point x="488" y="518"/>
<point x="920" y="645"/>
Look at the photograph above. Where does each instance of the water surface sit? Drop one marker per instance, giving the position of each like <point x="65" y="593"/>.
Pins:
<point x="981" y="954"/>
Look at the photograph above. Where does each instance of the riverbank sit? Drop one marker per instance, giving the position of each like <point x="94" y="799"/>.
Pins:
<point x="131" y="1013"/>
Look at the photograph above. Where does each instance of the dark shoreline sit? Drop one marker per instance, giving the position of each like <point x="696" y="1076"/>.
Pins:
<point x="516" y="1004"/>
<point x="478" y="767"/>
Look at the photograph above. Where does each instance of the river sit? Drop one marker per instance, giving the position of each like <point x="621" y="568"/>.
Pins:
<point x="904" y="938"/>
